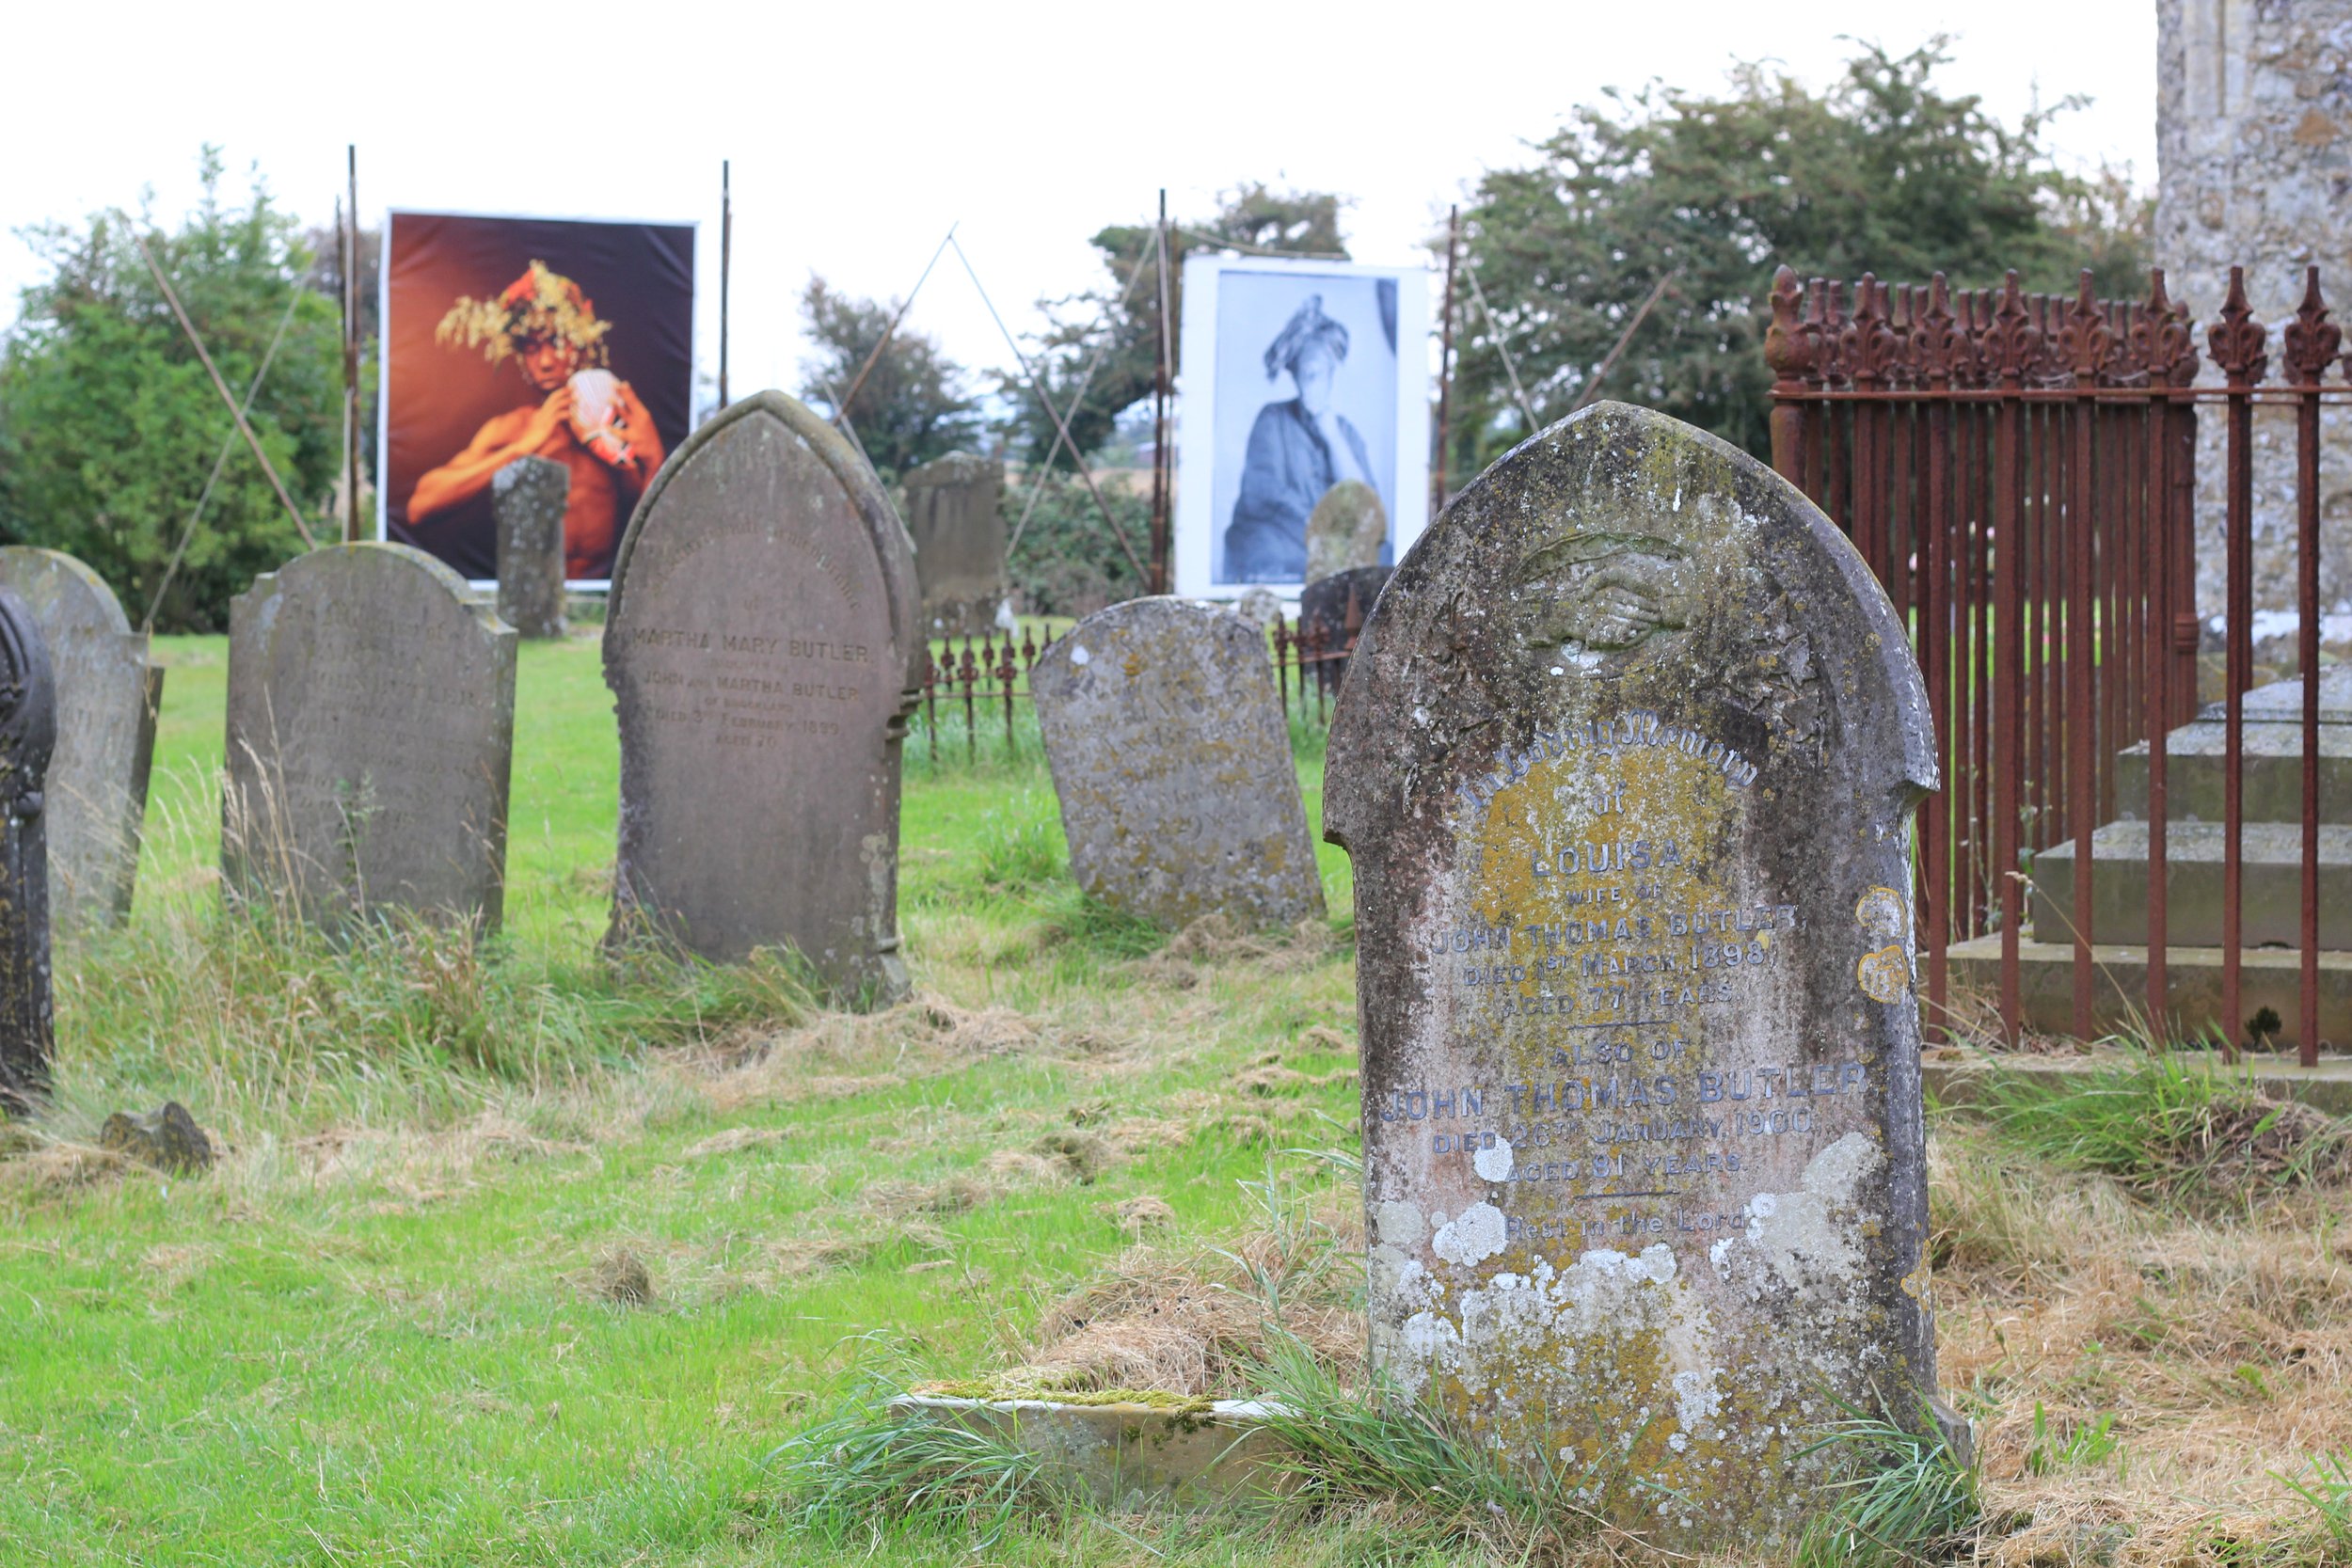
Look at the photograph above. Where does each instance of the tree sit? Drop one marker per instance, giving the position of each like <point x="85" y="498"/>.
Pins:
<point x="912" y="407"/>
<point x="1251" y="218"/>
<point x="109" y="425"/>
<point x="1883" y="173"/>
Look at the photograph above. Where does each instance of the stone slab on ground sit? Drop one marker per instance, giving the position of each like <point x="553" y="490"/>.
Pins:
<point x="1173" y="764"/>
<point x="1130" y="1458"/>
<point x="1954" y="1077"/>
<point x="2270" y="885"/>
<point x="107" y="691"/>
<point x="2268" y="977"/>
<point x="1626" y="762"/>
<point x="2194" y="777"/>
<point x="763" y="648"/>
<point x="370" y="737"/>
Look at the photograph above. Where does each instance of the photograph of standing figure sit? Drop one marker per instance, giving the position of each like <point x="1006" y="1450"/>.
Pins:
<point x="1298" y="449"/>
<point x="1295" y="376"/>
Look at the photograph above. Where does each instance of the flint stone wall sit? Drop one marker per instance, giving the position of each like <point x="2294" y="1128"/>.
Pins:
<point x="763" y="649"/>
<point x="2254" y="168"/>
<point x="1625" y="761"/>
<point x="108" y="689"/>
<point x="370" y="741"/>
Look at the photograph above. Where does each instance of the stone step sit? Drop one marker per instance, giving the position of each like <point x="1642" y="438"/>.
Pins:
<point x="2268" y="977"/>
<point x="2194" y="776"/>
<point x="2271" y="903"/>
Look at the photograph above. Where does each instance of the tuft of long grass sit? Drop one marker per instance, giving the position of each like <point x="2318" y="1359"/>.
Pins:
<point x="865" y="1471"/>
<point x="1906" y="1500"/>
<point x="262" y="1018"/>
<point x="2190" y="1136"/>
<point x="1356" y="1451"/>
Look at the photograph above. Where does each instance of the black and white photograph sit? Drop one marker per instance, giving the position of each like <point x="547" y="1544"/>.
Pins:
<point x="1298" y="377"/>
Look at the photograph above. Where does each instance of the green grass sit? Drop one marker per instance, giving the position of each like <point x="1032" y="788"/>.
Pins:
<point x="375" y="1333"/>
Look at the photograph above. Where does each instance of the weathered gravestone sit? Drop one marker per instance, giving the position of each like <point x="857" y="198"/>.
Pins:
<point x="959" y="536"/>
<point x="763" y="650"/>
<point x="28" y="734"/>
<point x="371" y="735"/>
<point x="107" y="693"/>
<point x="528" y="497"/>
<point x="1333" y="609"/>
<point x="1626" y="763"/>
<point x="1173" y="763"/>
<point x="1347" y="528"/>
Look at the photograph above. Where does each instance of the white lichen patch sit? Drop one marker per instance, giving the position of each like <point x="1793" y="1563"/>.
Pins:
<point x="1493" y="1164"/>
<point x="1471" y="1237"/>
<point x="1798" y="1235"/>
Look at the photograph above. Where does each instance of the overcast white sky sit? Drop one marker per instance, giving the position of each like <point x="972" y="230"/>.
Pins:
<point x="859" y="131"/>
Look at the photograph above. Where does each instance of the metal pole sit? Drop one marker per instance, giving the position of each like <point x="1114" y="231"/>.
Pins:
<point x="1445" y="363"/>
<point x="351" y="347"/>
<point x="726" y="262"/>
<point x="301" y="527"/>
<point x="858" y="380"/>
<point x="1160" y="539"/>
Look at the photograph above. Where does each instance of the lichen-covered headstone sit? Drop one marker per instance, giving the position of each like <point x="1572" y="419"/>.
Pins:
<point x="958" y="534"/>
<point x="1347" y="527"/>
<point x="764" y="651"/>
<point x="371" y="735"/>
<point x="528" y="497"/>
<point x="1172" y="762"/>
<point x="28" y="734"/>
<point x="107" y="692"/>
<point x="1626" y="763"/>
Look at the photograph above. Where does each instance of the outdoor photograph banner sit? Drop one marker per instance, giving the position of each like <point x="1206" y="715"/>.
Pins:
<point x="1298" y="378"/>
<point x="513" y="336"/>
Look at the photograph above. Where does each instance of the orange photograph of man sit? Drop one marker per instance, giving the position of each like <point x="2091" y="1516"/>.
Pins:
<point x="511" y="338"/>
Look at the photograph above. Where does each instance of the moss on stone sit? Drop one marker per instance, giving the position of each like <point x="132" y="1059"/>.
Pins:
<point x="997" y="1390"/>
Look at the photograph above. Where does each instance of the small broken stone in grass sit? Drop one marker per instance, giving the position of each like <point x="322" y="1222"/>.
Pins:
<point x="167" y="1139"/>
<point x="622" y="1276"/>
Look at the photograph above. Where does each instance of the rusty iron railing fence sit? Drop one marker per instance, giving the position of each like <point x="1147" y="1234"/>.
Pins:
<point x="2020" y="472"/>
<point x="972" y="685"/>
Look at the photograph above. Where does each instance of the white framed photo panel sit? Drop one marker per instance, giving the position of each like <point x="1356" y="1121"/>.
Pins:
<point x="1294" y="375"/>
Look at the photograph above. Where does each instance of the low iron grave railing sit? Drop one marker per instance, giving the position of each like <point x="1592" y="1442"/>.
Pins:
<point x="2020" y="470"/>
<point x="971" y="686"/>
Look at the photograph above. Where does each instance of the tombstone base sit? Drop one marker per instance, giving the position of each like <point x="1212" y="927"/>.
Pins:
<point x="1128" y="1455"/>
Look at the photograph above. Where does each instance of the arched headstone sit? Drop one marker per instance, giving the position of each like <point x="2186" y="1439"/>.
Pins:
<point x="528" y="497"/>
<point x="1627" y="762"/>
<point x="1347" y="528"/>
<point x="28" y="733"/>
<point x="107" y="692"/>
<point x="959" y="536"/>
<point x="763" y="647"/>
<point x="1173" y="764"/>
<point x="371" y="738"/>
